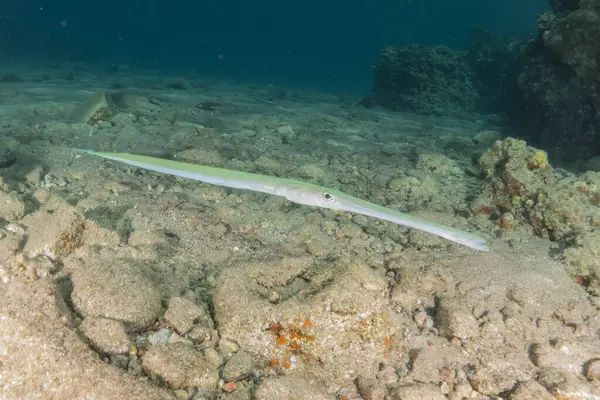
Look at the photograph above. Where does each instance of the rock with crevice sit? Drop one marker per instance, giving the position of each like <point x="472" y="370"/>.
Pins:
<point x="106" y="285"/>
<point x="318" y="324"/>
<point x="238" y="367"/>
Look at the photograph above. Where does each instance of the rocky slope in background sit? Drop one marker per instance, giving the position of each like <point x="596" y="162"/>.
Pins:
<point x="548" y="87"/>
<point x="561" y="78"/>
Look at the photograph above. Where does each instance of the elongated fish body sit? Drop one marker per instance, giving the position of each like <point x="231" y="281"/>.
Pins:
<point x="295" y="191"/>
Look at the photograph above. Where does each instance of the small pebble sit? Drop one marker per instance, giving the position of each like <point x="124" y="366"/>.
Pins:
<point x="199" y="334"/>
<point x="285" y="130"/>
<point x="370" y="388"/>
<point x="274" y="297"/>
<point x="159" y="337"/>
<point x="228" y="346"/>
<point x="238" y="367"/>
<point x="387" y="375"/>
<point x="182" y="314"/>
<point x="61" y="181"/>
<point x="42" y="195"/>
<point x="422" y="319"/>
<point x="211" y="280"/>
<point x="229" y="387"/>
<point x="14" y="228"/>
<point x="119" y="360"/>
<point x="445" y="388"/>
<point x="135" y="367"/>
<point x="213" y="357"/>
<point x="4" y="276"/>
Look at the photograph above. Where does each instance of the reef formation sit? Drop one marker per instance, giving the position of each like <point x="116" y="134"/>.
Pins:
<point x="546" y="87"/>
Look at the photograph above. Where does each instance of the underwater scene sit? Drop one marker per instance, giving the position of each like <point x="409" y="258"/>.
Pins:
<point x="312" y="200"/>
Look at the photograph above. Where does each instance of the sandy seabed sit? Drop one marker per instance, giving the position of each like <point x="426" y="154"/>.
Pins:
<point x="119" y="283"/>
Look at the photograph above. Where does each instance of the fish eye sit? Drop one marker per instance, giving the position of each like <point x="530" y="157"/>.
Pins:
<point x="329" y="197"/>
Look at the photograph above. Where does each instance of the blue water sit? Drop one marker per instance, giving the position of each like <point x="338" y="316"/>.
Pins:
<point x="329" y="45"/>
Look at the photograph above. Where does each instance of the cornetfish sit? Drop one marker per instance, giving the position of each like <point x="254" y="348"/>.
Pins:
<point x="295" y="191"/>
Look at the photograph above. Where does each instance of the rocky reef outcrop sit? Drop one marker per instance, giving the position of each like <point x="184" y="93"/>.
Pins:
<point x="496" y="61"/>
<point x="560" y="80"/>
<point x="432" y="80"/>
